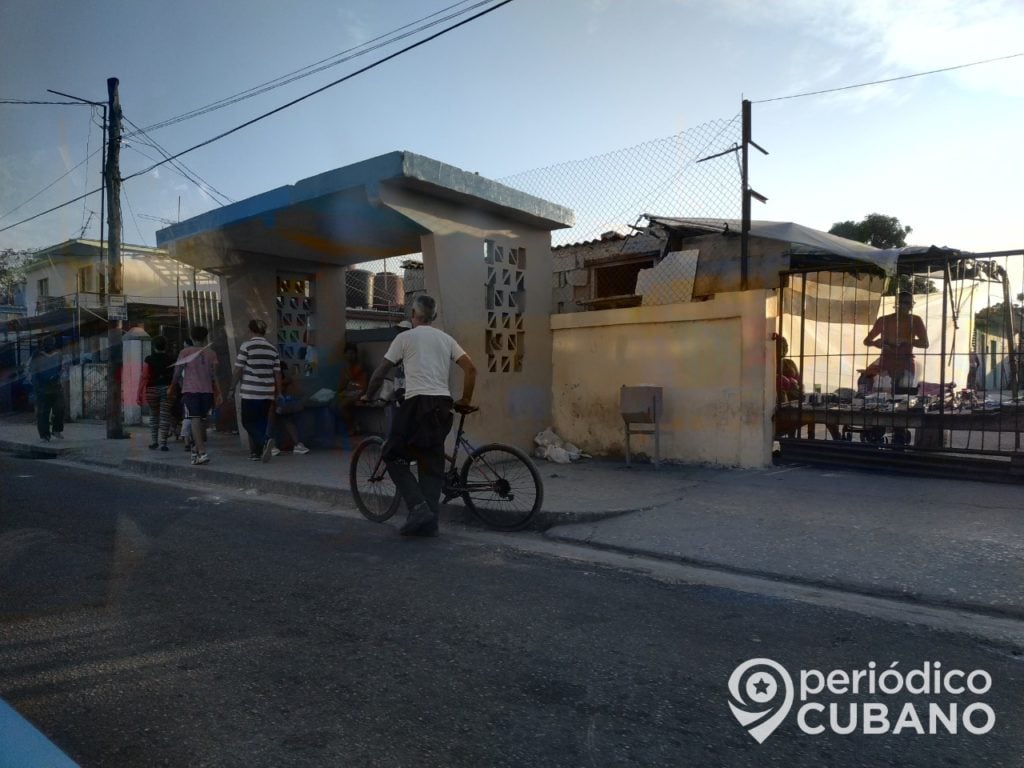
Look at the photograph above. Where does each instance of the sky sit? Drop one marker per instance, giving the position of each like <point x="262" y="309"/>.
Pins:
<point x="533" y="84"/>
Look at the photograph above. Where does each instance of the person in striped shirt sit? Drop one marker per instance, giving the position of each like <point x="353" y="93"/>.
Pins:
<point x="257" y="377"/>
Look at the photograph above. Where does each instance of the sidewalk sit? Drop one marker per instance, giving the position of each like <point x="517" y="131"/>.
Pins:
<point x="938" y="541"/>
<point x="571" y="493"/>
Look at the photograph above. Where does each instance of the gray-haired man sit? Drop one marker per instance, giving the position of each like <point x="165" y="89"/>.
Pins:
<point x="425" y="418"/>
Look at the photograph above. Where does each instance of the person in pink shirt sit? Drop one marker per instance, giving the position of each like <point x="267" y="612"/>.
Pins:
<point x="196" y="374"/>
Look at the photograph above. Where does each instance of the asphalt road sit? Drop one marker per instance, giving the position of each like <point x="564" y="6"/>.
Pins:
<point x="143" y="624"/>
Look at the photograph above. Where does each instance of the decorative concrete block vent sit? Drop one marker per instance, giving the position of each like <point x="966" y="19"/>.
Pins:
<point x="505" y="296"/>
<point x="296" y="323"/>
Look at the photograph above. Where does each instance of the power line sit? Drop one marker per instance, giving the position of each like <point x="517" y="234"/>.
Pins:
<point x="88" y="139"/>
<point x="56" y="103"/>
<point x="183" y="169"/>
<point x="183" y="172"/>
<point x="37" y="194"/>
<point x="891" y="79"/>
<point x="124" y="193"/>
<point x="293" y="102"/>
<point x="246" y="124"/>
<point x="319" y="66"/>
<point x="67" y="173"/>
<point x="51" y="210"/>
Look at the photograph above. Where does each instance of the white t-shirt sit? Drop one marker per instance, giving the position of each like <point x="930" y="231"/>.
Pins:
<point x="427" y="354"/>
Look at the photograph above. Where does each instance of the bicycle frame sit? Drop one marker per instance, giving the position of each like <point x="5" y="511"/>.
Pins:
<point x="460" y="440"/>
<point x="484" y="481"/>
<point x="451" y="458"/>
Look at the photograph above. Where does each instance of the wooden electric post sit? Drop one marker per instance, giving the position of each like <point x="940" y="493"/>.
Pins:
<point x="115" y="292"/>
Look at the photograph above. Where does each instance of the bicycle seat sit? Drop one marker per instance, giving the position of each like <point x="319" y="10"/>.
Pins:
<point x="466" y="409"/>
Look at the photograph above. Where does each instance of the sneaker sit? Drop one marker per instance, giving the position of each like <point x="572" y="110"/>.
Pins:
<point x="420" y="522"/>
<point x="275" y="451"/>
<point x="202" y="458"/>
<point x="45" y="439"/>
<point x="268" y="449"/>
<point x="254" y="456"/>
<point x="59" y="435"/>
<point x="194" y="457"/>
<point x="300" y="449"/>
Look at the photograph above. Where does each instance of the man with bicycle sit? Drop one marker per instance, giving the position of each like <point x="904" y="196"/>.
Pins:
<point x="423" y="421"/>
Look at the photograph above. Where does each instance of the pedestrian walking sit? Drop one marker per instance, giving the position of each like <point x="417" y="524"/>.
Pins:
<point x="157" y="369"/>
<point x="47" y="372"/>
<point x="258" y="381"/>
<point x="196" y="377"/>
<point x="425" y="418"/>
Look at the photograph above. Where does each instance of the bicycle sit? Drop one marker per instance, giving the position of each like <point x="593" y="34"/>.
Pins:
<point x="498" y="483"/>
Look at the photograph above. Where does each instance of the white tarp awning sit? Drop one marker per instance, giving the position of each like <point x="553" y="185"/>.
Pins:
<point x="787" y="232"/>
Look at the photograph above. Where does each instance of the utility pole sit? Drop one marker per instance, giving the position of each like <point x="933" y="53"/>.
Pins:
<point x="111" y="181"/>
<point x="116" y="304"/>
<point x="747" y="193"/>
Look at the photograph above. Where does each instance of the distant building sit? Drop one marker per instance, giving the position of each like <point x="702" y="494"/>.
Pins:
<point x="72" y="274"/>
<point x="65" y="296"/>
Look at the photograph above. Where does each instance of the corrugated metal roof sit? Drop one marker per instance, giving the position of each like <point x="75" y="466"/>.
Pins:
<point x="616" y="242"/>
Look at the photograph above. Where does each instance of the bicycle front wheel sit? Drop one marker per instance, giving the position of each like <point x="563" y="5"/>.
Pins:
<point x="373" y="490"/>
<point x="501" y="486"/>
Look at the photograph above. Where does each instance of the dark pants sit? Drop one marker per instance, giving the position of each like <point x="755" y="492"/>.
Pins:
<point x="417" y="434"/>
<point x="49" y="401"/>
<point x="255" y="415"/>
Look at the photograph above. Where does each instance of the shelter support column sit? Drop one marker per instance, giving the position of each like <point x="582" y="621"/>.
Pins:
<point x="493" y="290"/>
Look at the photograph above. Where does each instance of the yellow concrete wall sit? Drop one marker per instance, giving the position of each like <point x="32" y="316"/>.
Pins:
<point x="713" y="360"/>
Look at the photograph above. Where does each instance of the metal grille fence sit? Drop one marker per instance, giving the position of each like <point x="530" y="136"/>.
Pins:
<point x="664" y="176"/>
<point x="203" y="308"/>
<point x="937" y="370"/>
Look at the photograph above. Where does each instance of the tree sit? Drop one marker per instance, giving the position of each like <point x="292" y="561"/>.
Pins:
<point x="874" y="229"/>
<point x="993" y="319"/>
<point x="11" y="262"/>
<point x="884" y="232"/>
<point x="916" y="284"/>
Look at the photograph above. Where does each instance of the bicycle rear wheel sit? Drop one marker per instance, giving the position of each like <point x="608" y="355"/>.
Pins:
<point x="501" y="486"/>
<point x="373" y="490"/>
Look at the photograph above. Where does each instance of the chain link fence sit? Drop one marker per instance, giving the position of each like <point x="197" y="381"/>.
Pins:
<point x="692" y="174"/>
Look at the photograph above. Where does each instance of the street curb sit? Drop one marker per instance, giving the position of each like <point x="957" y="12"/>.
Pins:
<point x="840" y="586"/>
<point x="207" y="474"/>
<point x="542" y="522"/>
<point x="452" y="512"/>
<point x="456" y="513"/>
<point x="43" y="450"/>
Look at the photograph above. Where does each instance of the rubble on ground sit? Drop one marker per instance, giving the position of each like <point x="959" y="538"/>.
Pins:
<point x="553" y="448"/>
